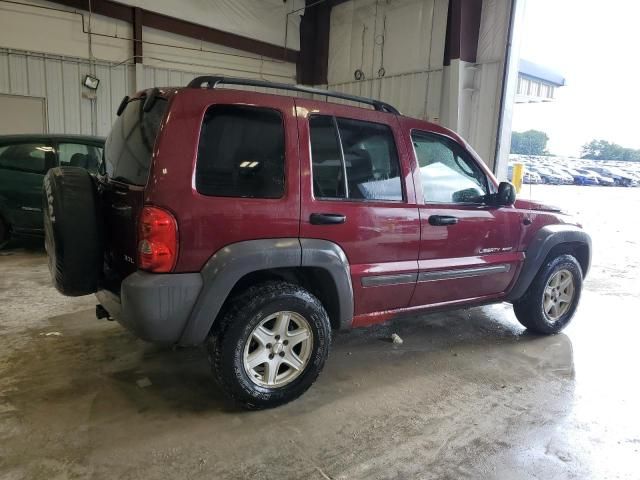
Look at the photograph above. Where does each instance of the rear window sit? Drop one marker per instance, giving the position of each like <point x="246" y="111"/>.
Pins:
<point x="26" y="157"/>
<point x="129" y="146"/>
<point x="241" y="153"/>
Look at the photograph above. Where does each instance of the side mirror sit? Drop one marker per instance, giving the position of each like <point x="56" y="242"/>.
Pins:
<point x="506" y="195"/>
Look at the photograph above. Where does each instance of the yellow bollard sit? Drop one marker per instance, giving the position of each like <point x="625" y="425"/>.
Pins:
<point x="518" y="174"/>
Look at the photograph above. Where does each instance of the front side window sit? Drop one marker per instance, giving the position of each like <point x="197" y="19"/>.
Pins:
<point x="26" y="157"/>
<point x="241" y="153"/>
<point x="448" y="175"/>
<point x="368" y="160"/>
<point x="79" y="155"/>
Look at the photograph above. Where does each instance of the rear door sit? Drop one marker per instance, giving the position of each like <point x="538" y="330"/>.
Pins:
<point x="127" y="162"/>
<point x="468" y="248"/>
<point x="357" y="192"/>
<point x="22" y="169"/>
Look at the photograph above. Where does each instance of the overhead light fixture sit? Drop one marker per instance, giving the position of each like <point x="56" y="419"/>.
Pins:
<point x="91" y="82"/>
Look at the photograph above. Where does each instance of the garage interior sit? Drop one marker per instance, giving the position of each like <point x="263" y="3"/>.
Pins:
<point x="468" y="394"/>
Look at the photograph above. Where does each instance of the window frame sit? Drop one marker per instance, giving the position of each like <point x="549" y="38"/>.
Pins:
<point x="285" y="183"/>
<point x="335" y="119"/>
<point x="456" y="149"/>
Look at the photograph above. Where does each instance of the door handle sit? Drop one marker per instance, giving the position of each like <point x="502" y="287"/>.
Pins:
<point x="327" y="218"/>
<point x="439" y="220"/>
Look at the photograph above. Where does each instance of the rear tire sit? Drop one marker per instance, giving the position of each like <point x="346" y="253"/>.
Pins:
<point x="73" y="232"/>
<point x="553" y="296"/>
<point x="269" y="328"/>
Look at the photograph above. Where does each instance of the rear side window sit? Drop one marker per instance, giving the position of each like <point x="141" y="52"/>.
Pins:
<point x="328" y="173"/>
<point x="27" y="157"/>
<point x="368" y="160"/>
<point x="241" y="153"/>
<point x="129" y="147"/>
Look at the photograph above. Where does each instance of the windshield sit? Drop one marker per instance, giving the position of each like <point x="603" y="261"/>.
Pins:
<point x="129" y="147"/>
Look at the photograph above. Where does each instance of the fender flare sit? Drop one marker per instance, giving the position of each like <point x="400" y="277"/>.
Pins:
<point x="541" y="244"/>
<point x="229" y="264"/>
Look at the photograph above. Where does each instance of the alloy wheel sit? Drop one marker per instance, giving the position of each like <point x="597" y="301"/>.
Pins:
<point x="558" y="294"/>
<point x="278" y="349"/>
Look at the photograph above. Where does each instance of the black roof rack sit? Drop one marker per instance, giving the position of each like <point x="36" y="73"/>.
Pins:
<point x="213" y="81"/>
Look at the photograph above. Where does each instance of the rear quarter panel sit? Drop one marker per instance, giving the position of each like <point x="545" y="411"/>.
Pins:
<point x="206" y="223"/>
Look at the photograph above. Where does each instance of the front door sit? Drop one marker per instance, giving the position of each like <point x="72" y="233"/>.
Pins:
<point x="357" y="192"/>
<point x="468" y="248"/>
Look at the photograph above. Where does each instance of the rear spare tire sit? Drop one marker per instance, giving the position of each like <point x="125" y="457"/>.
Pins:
<point x="73" y="233"/>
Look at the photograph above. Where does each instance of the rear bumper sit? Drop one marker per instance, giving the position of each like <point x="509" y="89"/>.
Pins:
<point x="155" y="307"/>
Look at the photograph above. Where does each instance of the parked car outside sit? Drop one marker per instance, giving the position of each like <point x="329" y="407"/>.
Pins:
<point x="258" y="223"/>
<point x="567" y="179"/>
<point x="528" y="177"/>
<point x="619" y="177"/>
<point x="583" y="178"/>
<point x="531" y="177"/>
<point x="548" y="176"/>
<point x="635" y="175"/>
<point x="24" y="160"/>
<point x="602" y="179"/>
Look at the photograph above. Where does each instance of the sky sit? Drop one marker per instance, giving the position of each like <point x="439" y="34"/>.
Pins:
<point x="595" y="45"/>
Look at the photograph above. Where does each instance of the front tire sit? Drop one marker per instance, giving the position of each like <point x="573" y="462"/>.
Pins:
<point x="270" y="345"/>
<point x="552" y="299"/>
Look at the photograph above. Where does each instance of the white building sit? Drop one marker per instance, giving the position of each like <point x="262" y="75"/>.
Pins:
<point x="537" y="83"/>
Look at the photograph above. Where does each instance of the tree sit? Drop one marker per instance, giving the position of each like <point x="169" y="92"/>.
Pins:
<point x="603" y="150"/>
<point x="531" y="142"/>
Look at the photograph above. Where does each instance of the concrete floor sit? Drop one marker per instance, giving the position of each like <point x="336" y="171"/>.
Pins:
<point x="469" y="394"/>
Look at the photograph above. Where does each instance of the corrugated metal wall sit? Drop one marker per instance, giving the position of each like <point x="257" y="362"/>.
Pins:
<point x="397" y="46"/>
<point x="414" y="94"/>
<point x="59" y="80"/>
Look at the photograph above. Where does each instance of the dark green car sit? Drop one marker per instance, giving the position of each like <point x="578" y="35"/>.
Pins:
<point x="24" y="159"/>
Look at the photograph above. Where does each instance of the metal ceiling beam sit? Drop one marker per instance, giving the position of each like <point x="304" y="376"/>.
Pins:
<point x="137" y="35"/>
<point x="463" y="30"/>
<point x="313" y="61"/>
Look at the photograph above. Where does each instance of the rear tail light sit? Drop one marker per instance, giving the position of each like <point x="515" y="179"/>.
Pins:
<point x="157" y="240"/>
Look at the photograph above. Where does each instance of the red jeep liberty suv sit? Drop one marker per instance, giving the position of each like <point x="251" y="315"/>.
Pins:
<point x="256" y="224"/>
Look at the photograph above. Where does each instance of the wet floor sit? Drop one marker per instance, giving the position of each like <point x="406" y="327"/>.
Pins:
<point x="469" y="394"/>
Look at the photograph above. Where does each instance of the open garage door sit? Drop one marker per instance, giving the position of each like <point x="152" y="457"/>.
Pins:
<point x="25" y="114"/>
